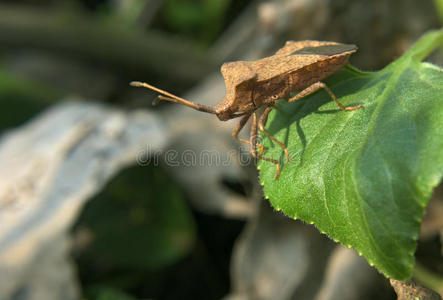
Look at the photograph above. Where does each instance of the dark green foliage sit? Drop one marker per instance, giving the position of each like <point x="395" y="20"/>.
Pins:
<point x="140" y="222"/>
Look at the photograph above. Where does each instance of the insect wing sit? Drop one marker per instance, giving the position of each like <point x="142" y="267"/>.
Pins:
<point x="326" y="50"/>
<point x="312" y="52"/>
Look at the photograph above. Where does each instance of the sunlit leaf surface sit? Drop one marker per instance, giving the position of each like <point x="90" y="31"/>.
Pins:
<point x="364" y="177"/>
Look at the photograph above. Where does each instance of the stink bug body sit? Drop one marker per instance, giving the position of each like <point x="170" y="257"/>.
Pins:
<point x="297" y="67"/>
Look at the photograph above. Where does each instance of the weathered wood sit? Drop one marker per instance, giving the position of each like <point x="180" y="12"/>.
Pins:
<point x="49" y="168"/>
<point x="408" y="290"/>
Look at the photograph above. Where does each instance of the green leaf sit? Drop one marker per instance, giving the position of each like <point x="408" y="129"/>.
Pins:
<point x="364" y="177"/>
<point x="439" y="8"/>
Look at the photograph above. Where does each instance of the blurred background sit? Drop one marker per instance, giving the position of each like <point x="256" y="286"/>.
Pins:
<point x="103" y="196"/>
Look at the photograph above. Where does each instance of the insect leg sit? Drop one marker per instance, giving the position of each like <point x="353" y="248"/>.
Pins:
<point x="261" y="126"/>
<point x="254" y="146"/>
<point x="320" y="85"/>
<point x="237" y="130"/>
<point x="253" y="137"/>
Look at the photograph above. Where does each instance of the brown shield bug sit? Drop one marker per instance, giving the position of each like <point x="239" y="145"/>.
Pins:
<point x="297" y="67"/>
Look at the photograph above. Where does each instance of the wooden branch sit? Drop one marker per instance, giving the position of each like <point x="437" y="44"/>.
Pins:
<point x="409" y="290"/>
<point x="49" y="168"/>
<point x="135" y="53"/>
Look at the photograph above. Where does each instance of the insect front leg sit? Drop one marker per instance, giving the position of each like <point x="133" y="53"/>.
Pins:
<point x="261" y="126"/>
<point x="254" y="129"/>
<point x="237" y="130"/>
<point x="320" y="85"/>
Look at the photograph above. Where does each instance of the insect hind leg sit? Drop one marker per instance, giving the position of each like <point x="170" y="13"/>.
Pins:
<point x="320" y="85"/>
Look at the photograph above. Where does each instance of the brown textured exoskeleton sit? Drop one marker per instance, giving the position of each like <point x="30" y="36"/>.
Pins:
<point x="297" y="67"/>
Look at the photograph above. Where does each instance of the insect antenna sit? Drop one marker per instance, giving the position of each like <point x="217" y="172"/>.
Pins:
<point x="173" y="98"/>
